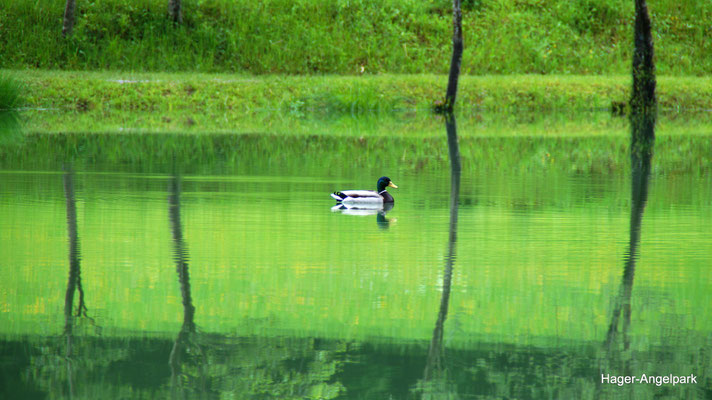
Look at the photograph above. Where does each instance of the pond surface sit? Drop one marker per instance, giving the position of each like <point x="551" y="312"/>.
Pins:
<point x="173" y="281"/>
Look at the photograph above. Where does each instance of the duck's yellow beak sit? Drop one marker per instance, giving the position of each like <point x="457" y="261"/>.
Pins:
<point x="393" y="185"/>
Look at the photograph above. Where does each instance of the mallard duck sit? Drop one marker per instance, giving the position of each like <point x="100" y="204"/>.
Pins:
<point x="380" y="196"/>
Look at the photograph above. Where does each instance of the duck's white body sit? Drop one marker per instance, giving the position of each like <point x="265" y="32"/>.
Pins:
<point x="358" y="197"/>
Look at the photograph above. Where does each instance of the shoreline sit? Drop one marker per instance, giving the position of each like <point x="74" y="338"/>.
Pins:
<point x="92" y="91"/>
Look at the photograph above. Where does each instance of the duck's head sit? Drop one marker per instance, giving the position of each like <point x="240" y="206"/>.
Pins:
<point x="384" y="182"/>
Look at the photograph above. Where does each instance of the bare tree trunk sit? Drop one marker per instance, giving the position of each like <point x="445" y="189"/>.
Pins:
<point x="69" y="17"/>
<point x="175" y="13"/>
<point x="643" y="96"/>
<point x="457" y="47"/>
<point x="643" y="101"/>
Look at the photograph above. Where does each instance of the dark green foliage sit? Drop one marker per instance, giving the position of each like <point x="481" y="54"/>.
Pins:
<point x="595" y="16"/>
<point x="469" y="5"/>
<point x="353" y="36"/>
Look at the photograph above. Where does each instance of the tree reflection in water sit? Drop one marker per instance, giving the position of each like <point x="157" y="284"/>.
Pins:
<point x="617" y="358"/>
<point x="187" y="359"/>
<point x="74" y="283"/>
<point x="435" y="378"/>
<point x="640" y="156"/>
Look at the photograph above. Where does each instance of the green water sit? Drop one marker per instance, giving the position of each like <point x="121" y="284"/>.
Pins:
<point x="236" y="279"/>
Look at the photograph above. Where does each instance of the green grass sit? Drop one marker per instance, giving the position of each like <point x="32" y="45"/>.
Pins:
<point x="350" y="36"/>
<point x="101" y="92"/>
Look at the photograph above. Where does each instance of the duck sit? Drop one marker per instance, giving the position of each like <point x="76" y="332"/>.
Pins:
<point x="380" y="196"/>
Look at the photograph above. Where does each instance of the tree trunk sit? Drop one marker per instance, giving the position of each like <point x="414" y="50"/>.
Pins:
<point x="457" y="47"/>
<point x="643" y="97"/>
<point x="643" y="102"/>
<point x="175" y="13"/>
<point x="69" y="17"/>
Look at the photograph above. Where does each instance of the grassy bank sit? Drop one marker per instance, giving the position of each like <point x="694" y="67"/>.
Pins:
<point x="101" y="92"/>
<point x="513" y="122"/>
<point x="351" y="36"/>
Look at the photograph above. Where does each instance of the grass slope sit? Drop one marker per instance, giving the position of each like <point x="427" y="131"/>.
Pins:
<point x="354" y="36"/>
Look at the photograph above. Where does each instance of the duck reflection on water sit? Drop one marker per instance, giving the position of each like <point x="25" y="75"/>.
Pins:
<point x="379" y="210"/>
